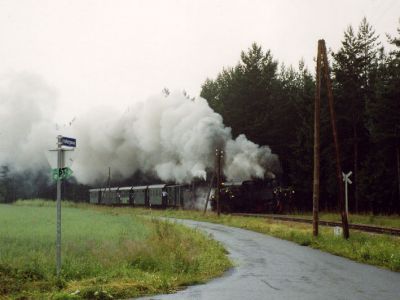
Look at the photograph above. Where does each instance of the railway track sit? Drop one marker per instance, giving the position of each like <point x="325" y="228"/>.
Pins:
<point x="361" y="227"/>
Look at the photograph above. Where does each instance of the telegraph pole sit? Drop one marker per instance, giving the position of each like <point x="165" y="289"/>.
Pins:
<point x="345" y="223"/>
<point x="108" y="195"/>
<point x="398" y="177"/>
<point x="219" y="156"/>
<point x="317" y="110"/>
<point x="218" y="162"/>
<point x="109" y="178"/>
<point x="209" y="192"/>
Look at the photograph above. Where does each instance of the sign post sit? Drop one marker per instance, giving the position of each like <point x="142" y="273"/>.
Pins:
<point x="59" y="166"/>
<point x="58" y="174"/>
<point x="346" y="179"/>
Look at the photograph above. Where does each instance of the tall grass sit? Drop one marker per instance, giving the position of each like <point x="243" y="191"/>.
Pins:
<point x="374" y="249"/>
<point x="105" y="253"/>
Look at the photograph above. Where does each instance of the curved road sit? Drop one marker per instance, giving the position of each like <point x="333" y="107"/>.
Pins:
<point x="270" y="268"/>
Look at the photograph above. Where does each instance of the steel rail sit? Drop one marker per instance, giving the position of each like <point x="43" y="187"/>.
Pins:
<point x="361" y="227"/>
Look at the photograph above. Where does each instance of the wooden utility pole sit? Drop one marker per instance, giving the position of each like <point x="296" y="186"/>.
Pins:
<point x="209" y="192"/>
<point x="398" y="170"/>
<point x="325" y="68"/>
<point x="398" y="178"/>
<point x="317" y="110"/>
<point x="108" y="197"/>
<point x="219" y="156"/>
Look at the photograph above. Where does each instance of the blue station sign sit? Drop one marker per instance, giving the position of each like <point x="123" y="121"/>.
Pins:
<point x="69" y="142"/>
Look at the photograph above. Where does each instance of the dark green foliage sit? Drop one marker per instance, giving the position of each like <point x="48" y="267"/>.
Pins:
<point x="271" y="108"/>
<point x="239" y="92"/>
<point x="299" y="87"/>
<point x="249" y="98"/>
<point x="29" y="184"/>
<point x="381" y="180"/>
<point x="355" y="72"/>
<point x="276" y="108"/>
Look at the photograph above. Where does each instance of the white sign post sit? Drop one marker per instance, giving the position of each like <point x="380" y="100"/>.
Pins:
<point x="69" y="142"/>
<point x="59" y="166"/>
<point x="347" y="180"/>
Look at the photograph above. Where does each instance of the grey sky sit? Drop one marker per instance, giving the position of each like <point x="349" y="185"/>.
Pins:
<point x="118" y="52"/>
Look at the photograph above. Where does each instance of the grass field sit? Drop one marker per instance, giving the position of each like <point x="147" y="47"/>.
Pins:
<point x="105" y="253"/>
<point x="120" y="252"/>
<point x="374" y="249"/>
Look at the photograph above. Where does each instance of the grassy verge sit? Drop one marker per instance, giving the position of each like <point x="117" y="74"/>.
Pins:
<point x="378" y="220"/>
<point x="379" y="250"/>
<point x="107" y="253"/>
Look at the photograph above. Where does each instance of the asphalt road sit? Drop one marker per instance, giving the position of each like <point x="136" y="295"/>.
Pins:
<point x="270" y="268"/>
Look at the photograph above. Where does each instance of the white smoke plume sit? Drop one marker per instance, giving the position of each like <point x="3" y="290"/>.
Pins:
<point x="27" y="106"/>
<point x="171" y="137"/>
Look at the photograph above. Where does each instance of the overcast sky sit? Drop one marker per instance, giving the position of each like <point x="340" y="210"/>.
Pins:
<point x="117" y="52"/>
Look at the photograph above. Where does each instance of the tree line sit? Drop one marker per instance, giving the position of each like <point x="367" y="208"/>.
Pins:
<point x="273" y="104"/>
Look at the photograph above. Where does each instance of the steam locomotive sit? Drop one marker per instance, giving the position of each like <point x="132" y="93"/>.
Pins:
<point x="252" y="196"/>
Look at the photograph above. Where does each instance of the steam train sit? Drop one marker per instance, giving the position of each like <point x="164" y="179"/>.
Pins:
<point x="156" y="195"/>
<point x="252" y="196"/>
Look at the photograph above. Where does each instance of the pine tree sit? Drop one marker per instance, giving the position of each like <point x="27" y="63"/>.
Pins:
<point x="244" y="95"/>
<point x="354" y="68"/>
<point x="382" y="174"/>
<point x="301" y="147"/>
<point x="251" y="100"/>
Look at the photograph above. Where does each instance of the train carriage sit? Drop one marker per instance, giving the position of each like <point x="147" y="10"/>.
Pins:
<point x="139" y="196"/>
<point x="155" y="195"/>
<point x="95" y="196"/>
<point x="175" y="195"/>
<point x="109" y="196"/>
<point x="125" y="195"/>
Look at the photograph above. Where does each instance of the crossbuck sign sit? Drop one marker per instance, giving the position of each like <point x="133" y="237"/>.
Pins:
<point x="346" y="179"/>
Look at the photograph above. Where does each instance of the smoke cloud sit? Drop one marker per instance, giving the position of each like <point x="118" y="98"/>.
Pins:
<point x="27" y="106"/>
<point x="172" y="137"/>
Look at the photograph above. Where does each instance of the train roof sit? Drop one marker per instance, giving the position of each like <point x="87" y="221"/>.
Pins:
<point x="136" y="188"/>
<point x="157" y="186"/>
<point x="142" y="187"/>
<point x="125" y="188"/>
<point x="175" y="185"/>
<point x="233" y="183"/>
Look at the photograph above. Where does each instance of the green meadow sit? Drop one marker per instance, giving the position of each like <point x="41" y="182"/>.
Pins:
<point x="106" y="253"/>
<point x="124" y="252"/>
